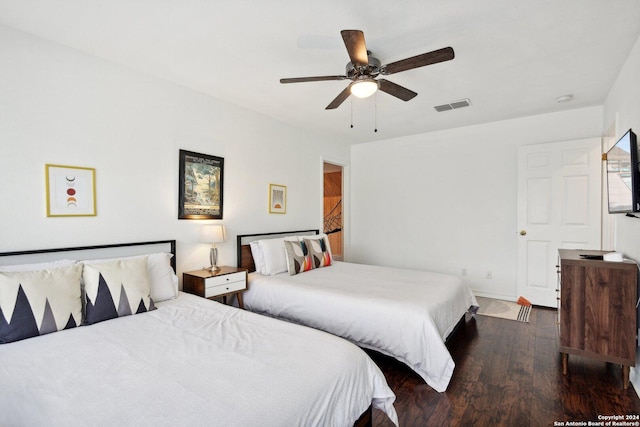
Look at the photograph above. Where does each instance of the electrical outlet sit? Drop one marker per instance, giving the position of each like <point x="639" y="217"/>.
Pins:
<point x="464" y="271"/>
<point x="489" y="275"/>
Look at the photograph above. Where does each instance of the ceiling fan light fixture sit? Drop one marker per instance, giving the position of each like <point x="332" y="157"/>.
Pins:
<point x="364" y="88"/>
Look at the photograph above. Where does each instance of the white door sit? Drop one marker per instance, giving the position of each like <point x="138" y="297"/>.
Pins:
<point x="559" y="206"/>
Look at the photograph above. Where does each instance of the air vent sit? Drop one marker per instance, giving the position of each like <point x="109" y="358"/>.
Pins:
<point x="452" y="105"/>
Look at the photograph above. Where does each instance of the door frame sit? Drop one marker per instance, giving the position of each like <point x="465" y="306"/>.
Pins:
<point x="608" y="224"/>
<point x="345" y="203"/>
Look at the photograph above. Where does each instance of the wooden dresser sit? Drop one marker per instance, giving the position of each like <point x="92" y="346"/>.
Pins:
<point x="598" y="309"/>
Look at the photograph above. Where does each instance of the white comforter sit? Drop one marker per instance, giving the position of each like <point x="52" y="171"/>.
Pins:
<point x="192" y="362"/>
<point x="403" y="313"/>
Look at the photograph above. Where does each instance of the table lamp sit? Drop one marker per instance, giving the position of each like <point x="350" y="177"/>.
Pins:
<point x="213" y="234"/>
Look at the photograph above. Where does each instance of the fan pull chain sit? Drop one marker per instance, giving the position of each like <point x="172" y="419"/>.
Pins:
<point x="351" y="100"/>
<point x="375" y="117"/>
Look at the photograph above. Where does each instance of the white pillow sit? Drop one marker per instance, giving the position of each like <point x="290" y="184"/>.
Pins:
<point x="275" y="255"/>
<point x="38" y="266"/>
<point x="162" y="279"/>
<point x="258" y="256"/>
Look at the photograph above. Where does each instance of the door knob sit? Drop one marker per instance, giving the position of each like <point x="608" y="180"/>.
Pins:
<point x="523" y="232"/>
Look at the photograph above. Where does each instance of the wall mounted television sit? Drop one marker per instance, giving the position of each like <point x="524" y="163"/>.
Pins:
<point x="623" y="175"/>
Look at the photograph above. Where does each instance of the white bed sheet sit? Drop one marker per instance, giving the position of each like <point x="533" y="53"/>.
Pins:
<point x="406" y="314"/>
<point x="191" y="362"/>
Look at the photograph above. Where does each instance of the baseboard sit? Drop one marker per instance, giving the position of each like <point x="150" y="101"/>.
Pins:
<point x="495" y="296"/>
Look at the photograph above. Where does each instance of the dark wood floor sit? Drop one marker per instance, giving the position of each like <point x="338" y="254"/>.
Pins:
<point x="508" y="374"/>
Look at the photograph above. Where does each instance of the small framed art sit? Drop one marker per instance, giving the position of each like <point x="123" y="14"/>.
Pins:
<point x="277" y="198"/>
<point x="200" y="187"/>
<point x="71" y="190"/>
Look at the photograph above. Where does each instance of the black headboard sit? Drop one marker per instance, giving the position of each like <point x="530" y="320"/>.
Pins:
<point x="90" y="252"/>
<point x="245" y="258"/>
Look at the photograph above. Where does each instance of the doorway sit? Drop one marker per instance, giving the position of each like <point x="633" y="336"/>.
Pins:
<point x="333" y="220"/>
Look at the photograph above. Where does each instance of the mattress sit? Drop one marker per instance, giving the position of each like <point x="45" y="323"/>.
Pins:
<point x="406" y="314"/>
<point x="191" y="362"/>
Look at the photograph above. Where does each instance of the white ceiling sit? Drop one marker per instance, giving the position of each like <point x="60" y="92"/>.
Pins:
<point x="513" y="57"/>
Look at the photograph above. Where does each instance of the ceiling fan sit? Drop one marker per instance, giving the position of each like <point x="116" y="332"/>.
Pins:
<point x="363" y="69"/>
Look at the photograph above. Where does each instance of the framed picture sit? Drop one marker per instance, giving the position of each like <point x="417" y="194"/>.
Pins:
<point x="200" y="187"/>
<point x="277" y="198"/>
<point x="71" y="190"/>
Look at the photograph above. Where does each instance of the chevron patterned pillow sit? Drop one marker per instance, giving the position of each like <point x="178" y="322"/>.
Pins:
<point x="116" y="289"/>
<point x="35" y="303"/>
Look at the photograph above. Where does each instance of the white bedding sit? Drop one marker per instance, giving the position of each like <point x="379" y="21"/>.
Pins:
<point x="191" y="362"/>
<point x="407" y="314"/>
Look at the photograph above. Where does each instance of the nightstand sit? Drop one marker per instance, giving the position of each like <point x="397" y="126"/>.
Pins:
<point x="227" y="281"/>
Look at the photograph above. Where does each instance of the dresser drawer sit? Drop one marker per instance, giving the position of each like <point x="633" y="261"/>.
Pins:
<point x="224" y="284"/>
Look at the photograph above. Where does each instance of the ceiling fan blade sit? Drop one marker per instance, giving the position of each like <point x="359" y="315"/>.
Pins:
<point x="311" y="79"/>
<point x="339" y="99"/>
<point x="356" y="47"/>
<point x="396" y="90"/>
<point x="440" y="55"/>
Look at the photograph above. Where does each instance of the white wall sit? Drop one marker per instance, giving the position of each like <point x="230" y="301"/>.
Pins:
<point x="60" y="106"/>
<point x="445" y="201"/>
<point x="622" y="107"/>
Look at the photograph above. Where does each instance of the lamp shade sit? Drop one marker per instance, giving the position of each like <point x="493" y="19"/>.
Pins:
<point x="213" y="233"/>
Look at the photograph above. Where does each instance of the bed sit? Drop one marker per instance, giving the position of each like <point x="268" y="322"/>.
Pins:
<point x="180" y="360"/>
<point x="406" y="314"/>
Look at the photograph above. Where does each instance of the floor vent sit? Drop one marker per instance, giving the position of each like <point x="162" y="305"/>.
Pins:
<point x="452" y="105"/>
